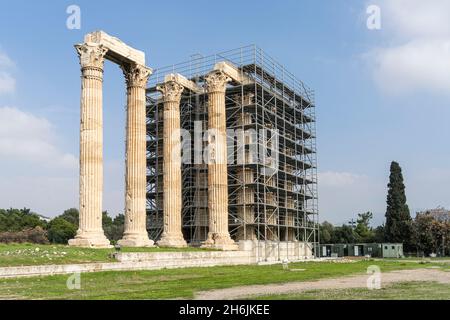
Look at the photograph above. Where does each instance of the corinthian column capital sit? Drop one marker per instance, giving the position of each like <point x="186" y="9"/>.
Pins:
<point x="216" y="81"/>
<point x="91" y="55"/>
<point x="171" y="91"/>
<point x="136" y="75"/>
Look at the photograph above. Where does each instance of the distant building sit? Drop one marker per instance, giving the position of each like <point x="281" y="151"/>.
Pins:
<point x="379" y="250"/>
<point x="46" y="219"/>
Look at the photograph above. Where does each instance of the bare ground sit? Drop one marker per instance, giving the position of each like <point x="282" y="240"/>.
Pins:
<point x="357" y="281"/>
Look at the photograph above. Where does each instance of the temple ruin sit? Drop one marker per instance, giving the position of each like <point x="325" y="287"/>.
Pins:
<point x="220" y="151"/>
<point x="97" y="47"/>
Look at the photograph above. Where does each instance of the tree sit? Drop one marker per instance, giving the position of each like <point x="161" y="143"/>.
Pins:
<point x="113" y="227"/>
<point x="119" y="220"/>
<point x="440" y="232"/>
<point x="107" y="221"/>
<point x="60" y="230"/>
<point x="398" y="218"/>
<point x="71" y="215"/>
<point x="422" y="235"/>
<point x="326" y="231"/>
<point x="378" y="236"/>
<point x="344" y="234"/>
<point x="15" y="220"/>
<point x="430" y="235"/>
<point x="363" y="229"/>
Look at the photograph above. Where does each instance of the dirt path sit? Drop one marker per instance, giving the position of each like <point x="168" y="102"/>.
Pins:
<point x="357" y="281"/>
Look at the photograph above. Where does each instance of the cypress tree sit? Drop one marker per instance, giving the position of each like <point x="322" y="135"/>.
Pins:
<point x="398" y="218"/>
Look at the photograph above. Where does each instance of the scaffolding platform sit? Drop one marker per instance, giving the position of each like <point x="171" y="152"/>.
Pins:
<point x="280" y="205"/>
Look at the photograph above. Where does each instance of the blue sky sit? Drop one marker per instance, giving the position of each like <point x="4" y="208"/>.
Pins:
<point x="382" y="95"/>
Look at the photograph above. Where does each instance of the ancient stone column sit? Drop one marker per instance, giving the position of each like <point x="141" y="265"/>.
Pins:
<point x="135" y="232"/>
<point x="90" y="232"/>
<point x="172" y="235"/>
<point x="218" y="235"/>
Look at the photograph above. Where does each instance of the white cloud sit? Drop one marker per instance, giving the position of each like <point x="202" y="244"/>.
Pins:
<point x="5" y="61"/>
<point x="414" y="66"/>
<point x="25" y="137"/>
<point x="417" y="57"/>
<point x="37" y="174"/>
<point x="7" y="81"/>
<point x="417" y="18"/>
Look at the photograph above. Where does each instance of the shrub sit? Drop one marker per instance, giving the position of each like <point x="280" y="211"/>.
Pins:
<point x="60" y="230"/>
<point x="37" y="235"/>
<point x="34" y="235"/>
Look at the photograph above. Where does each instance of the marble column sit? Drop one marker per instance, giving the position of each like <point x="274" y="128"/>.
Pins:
<point x="90" y="232"/>
<point x="172" y="235"/>
<point x="135" y="232"/>
<point x="218" y="235"/>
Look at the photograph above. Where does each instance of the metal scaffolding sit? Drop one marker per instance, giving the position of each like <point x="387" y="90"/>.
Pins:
<point x="279" y="204"/>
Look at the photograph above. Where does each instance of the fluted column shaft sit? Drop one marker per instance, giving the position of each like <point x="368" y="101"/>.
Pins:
<point x="135" y="232"/>
<point x="218" y="235"/>
<point x="91" y="153"/>
<point x="90" y="232"/>
<point x="217" y="167"/>
<point x="172" y="235"/>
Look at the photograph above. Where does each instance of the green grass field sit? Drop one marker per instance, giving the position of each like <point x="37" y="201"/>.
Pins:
<point x="32" y="254"/>
<point x="399" y="291"/>
<point x="181" y="283"/>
